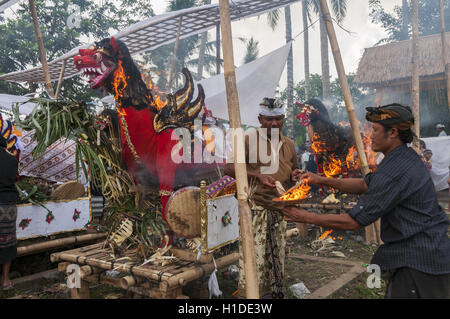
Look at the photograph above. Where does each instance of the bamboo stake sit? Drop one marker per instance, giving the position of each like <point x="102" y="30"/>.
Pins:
<point x="175" y="52"/>
<point x="245" y="215"/>
<point x="415" y="74"/>
<point x="60" y="80"/>
<point x="34" y="248"/>
<point x="370" y="230"/>
<point x="199" y="271"/>
<point x="444" y="51"/>
<point x="218" y="48"/>
<point x="37" y="30"/>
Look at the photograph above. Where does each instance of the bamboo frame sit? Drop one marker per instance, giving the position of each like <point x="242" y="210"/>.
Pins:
<point x="60" y="80"/>
<point x="370" y="230"/>
<point x="40" y="43"/>
<point x="57" y="243"/>
<point x="415" y="94"/>
<point x="245" y="215"/>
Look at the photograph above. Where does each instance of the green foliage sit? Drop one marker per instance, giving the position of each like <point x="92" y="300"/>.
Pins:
<point x="252" y="51"/>
<point x="392" y="23"/>
<point x="18" y="45"/>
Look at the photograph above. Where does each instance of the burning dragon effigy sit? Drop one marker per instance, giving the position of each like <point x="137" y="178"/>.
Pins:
<point x="136" y="175"/>
<point x="334" y="147"/>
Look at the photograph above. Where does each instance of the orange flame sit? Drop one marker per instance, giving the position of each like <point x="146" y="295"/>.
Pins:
<point x="119" y="85"/>
<point x="327" y="234"/>
<point x="332" y="167"/>
<point x="297" y="192"/>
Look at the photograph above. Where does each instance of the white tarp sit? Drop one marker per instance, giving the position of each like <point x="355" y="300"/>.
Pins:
<point x="6" y="4"/>
<point x="7" y="101"/>
<point x="440" y="146"/>
<point x="254" y="80"/>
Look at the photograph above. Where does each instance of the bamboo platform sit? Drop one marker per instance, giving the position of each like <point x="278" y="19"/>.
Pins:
<point x="159" y="282"/>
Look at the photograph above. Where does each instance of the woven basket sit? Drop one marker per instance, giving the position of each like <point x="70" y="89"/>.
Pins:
<point x="69" y="190"/>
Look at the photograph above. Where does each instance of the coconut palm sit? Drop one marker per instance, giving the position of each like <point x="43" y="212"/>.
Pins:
<point x="273" y="18"/>
<point x="339" y="10"/>
<point x="252" y="50"/>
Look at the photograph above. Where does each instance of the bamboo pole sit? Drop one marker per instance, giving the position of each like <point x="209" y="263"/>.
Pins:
<point x="37" y="30"/>
<point x="47" y="245"/>
<point x="175" y="52"/>
<point x="415" y="74"/>
<point x="218" y="48"/>
<point x="199" y="271"/>
<point x="444" y="51"/>
<point x="370" y="230"/>
<point x="60" y="80"/>
<point x="245" y="215"/>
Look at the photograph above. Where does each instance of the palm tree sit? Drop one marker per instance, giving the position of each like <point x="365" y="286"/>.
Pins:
<point x="201" y="53"/>
<point x="306" y="18"/>
<point x="339" y="10"/>
<point x="405" y="20"/>
<point x="273" y="18"/>
<point x="252" y="51"/>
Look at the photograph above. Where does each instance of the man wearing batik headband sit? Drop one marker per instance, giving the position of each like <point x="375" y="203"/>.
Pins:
<point x="415" y="255"/>
<point x="269" y="229"/>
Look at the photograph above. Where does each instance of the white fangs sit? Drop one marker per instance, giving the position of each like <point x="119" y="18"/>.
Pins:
<point x="103" y="67"/>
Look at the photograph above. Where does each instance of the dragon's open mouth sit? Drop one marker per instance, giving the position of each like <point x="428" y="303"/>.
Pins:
<point x="97" y="74"/>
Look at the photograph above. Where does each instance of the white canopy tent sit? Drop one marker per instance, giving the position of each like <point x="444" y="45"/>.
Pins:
<point x="7" y="101"/>
<point x="255" y="80"/>
<point x="5" y="4"/>
<point x="155" y="32"/>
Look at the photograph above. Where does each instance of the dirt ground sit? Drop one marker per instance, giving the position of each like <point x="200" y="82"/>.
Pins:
<point x="348" y="245"/>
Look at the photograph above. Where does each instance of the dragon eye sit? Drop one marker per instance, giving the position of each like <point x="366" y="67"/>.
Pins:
<point x="97" y="57"/>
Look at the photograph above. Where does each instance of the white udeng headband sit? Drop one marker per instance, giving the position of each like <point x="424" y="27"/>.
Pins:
<point x="265" y="111"/>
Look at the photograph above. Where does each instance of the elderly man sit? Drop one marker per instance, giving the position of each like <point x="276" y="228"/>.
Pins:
<point x="416" y="250"/>
<point x="268" y="226"/>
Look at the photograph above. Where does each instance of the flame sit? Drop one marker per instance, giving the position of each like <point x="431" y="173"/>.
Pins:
<point x="332" y="167"/>
<point x="119" y="85"/>
<point x="327" y="234"/>
<point x="297" y="192"/>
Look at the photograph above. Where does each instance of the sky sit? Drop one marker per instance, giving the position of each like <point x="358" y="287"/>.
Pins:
<point x="364" y="34"/>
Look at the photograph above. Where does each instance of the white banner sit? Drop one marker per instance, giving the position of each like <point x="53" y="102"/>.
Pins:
<point x="65" y="216"/>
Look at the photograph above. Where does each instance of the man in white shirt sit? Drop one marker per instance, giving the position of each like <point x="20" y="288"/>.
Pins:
<point x="441" y="130"/>
<point x="305" y="157"/>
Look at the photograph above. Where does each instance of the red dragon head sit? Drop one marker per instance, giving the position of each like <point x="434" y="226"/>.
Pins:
<point x="311" y="111"/>
<point x="100" y="61"/>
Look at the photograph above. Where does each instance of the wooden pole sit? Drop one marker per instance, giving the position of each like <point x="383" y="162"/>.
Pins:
<point x="37" y="30"/>
<point x="175" y="52"/>
<point x="444" y="52"/>
<point x="218" y="48"/>
<point x="415" y="74"/>
<point x="370" y="230"/>
<point x="245" y="214"/>
<point x="52" y="244"/>
<point x="60" y="80"/>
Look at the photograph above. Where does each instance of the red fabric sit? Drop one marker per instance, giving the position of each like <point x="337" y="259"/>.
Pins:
<point x="153" y="149"/>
